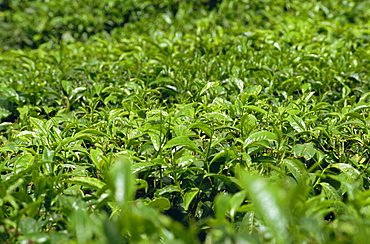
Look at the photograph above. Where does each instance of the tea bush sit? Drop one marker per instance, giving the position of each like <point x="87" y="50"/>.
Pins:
<point x="209" y="122"/>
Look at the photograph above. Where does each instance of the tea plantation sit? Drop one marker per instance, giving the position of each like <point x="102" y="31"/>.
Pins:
<point x="180" y="121"/>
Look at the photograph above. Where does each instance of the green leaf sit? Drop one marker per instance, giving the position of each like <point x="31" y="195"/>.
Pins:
<point x="6" y="149"/>
<point x="181" y="130"/>
<point x="142" y="184"/>
<point x="270" y="203"/>
<point x="81" y="225"/>
<point x="297" y="169"/>
<point x="92" y="132"/>
<point x="356" y="115"/>
<point x="208" y="86"/>
<point x="48" y="158"/>
<point x="348" y="170"/>
<point x="361" y="107"/>
<point x="279" y="136"/>
<point x="222" y="206"/>
<point x="87" y="182"/>
<point x="255" y="108"/>
<point x="217" y="116"/>
<point x="180" y="141"/>
<point x="48" y="155"/>
<point x="204" y="127"/>
<point x="228" y="180"/>
<point x="235" y="202"/>
<point x="162" y="81"/>
<point x="137" y="167"/>
<point x="217" y="156"/>
<point x="259" y="136"/>
<point x="188" y="197"/>
<point x="156" y="139"/>
<point x="96" y="156"/>
<point x="39" y="125"/>
<point x="168" y="189"/>
<point x="297" y="123"/>
<point x="185" y="110"/>
<point x="65" y="141"/>
<point x="160" y="203"/>
<point x="330" y="192"/>
<point x="121" y="180"/>
<point x="29" y="225"/>
<point x="306" y="151"/>
<point x="33" y="208"/>
<point x="24" y="162"/>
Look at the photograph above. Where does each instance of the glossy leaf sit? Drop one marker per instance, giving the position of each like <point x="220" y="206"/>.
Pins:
<point x="348" y="170"/>
<point x="297" y="168"/>
<point x="189" y="197"/>
<point x="259" y="136"/>
<point x="330" y="192"/>
<point x="297" y="123"/>
<point x="39" y="125"/>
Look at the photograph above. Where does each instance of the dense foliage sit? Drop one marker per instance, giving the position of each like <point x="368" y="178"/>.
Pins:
<point x="181" y="122"/>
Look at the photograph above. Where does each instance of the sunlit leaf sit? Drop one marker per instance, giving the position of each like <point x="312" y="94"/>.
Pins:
<point x="89" y="132"/>
<point x="259" y="136"/>
<point x="180" y="141"/>
<point x="297" y="123"/>
<point x="330" y="192"/>
<point x="217" y="116"/>
<point x="204" y="127"/>
<point x="348" y="170"/>
<point x="297" y="168"/>
<point x="87" y="182"/>
<point x="168" y="189"/>
<point x="96" y="157"/>
<point x="208" y="86"/>
<point x="269" y="203"/>
<point x="306" y="151"/>
<point x="39" y="125"/>
<point x="255" y="108"/>
<point x="189" y="197"/>
<point x="156" y="139"/>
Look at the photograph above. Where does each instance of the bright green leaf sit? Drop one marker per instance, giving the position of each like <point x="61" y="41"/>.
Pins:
<point x="306" y="151"/>
<point x="160" y="203"/>
<point x="180" y="141"/>
<point x="270" y="204"/>
<point x="120" y="180"/>
<point x="188" y="197"/>
<point x="87" y="182"/>
<point x="259" y="136"/>
<point x="297" y="123"/>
